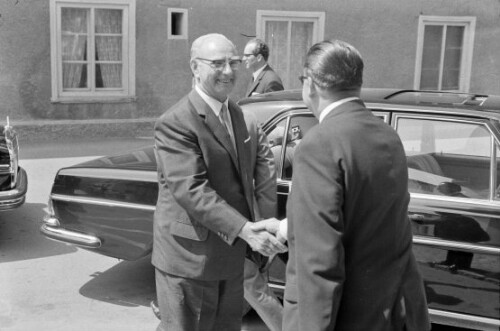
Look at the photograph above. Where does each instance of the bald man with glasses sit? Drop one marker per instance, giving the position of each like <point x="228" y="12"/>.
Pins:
<point x="206" y="169"/>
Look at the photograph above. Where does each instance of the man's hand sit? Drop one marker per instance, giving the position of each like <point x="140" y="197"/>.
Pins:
<point x="270" y="225"/>
<point x="274" y="226"/>
<point x="261" y="241"/>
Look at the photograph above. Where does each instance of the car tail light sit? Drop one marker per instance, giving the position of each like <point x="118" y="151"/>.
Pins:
<point x="50" y="219"/>
<point x="9" y="156"/>
<point x="50" y="207"/>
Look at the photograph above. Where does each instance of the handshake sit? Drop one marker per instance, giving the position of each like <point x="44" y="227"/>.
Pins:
<point x="265" y="236"/>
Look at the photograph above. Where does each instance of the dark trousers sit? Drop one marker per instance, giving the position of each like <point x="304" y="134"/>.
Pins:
<point x="195" y="305"/>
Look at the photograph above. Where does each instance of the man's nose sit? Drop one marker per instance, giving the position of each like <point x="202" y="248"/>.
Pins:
<point x="227" y="68"/>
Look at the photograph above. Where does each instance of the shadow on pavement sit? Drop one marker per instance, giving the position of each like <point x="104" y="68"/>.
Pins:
<point x="132" y="283"/>
<point x="20" y="238"/>
<point x="129" y="283"/>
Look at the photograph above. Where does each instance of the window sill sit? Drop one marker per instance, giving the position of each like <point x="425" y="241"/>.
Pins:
<point x="94" y="100"/>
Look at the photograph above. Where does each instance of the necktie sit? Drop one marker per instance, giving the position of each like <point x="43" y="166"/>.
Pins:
<point x="224" y="118"/>
<point x="250" y="85"/>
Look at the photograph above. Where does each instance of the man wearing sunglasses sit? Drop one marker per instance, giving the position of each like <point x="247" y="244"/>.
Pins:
<point x="264" y="78"/>
<point x="202" y="224"/>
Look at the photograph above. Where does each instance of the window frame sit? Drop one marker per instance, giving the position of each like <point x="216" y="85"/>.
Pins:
<point x="124" y="94"/>
<point x="317" y="18"/>
<point x="481" y="122"/>
<point x="469" y="24"/>
<point x="383" y="114"/>
<point x="292" y="119"/>
<point x="184" y="27"/>
<point x="279" y="167"/>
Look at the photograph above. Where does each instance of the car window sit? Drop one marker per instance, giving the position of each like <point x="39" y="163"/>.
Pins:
<point x="447" y="157"/>
<point x="285" y="136"/>
<point x="299" y="125"/>
<point x="497" y="165"/>
<point x="276" y="137"/>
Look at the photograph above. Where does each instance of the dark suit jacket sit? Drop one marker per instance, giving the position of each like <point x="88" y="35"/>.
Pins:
<point x="263" y="169"/>
<point x="205" y="191"/>
<point x="267" y="81"/>
<point x="350" y="243"/>
<point x="264" y="174"/>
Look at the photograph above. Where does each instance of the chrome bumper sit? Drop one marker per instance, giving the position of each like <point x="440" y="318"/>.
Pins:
<point x="14" y="198"/>
<point x="52" y="230"/>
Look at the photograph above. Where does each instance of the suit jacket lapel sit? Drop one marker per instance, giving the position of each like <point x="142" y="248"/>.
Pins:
<point x="257" y="81"/>
<point x="243" y="146"/>
<point x="214" y="124"/>
<point x="240" y="134"/>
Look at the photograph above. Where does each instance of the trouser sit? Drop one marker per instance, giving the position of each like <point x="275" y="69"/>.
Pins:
<point x="195" y="305"/>
<point x="261" y="297"/>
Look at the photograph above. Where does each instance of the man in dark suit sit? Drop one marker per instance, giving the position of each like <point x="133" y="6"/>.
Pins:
<point x="351" y="265"/>
<point x="264" y="79"/>
<point x="205" y="207"/>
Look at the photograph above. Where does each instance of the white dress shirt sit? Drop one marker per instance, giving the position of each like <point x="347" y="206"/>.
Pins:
<point x="256" y="73"/>
<point x="214" y="104"/>
<point x="334" y="105"/>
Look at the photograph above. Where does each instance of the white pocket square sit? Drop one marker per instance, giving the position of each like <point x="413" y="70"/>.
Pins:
<point x="247" y="140"/>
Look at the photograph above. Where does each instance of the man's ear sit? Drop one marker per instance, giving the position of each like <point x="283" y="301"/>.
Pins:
<point x="313" y="88"/>
<point x="194" y="67"/>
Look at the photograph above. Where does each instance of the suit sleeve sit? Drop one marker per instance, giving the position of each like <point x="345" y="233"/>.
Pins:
<point x="264" y="175"/>
<point x="317" y="226"/>
<point x="185" y="172"/>
<point x="274" y="85"/>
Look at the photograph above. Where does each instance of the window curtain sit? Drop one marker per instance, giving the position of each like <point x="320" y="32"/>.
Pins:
<point x="431" y="57"/>
<point x="453" y="57"/>
<point x="288" y="64"/>
<point x="276" y="37"/>
<point x="74" y="36"/>
<point x="108" y="45"/>
<point x="302" y="35"/>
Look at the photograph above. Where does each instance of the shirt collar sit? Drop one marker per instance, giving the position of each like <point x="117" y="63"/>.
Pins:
<point x="214" y="104"/>
<point x="327" y="110"/>
<point x="257" y="73"/>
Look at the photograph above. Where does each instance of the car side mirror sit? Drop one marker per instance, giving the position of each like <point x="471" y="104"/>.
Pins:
<point x="449" y="188"/>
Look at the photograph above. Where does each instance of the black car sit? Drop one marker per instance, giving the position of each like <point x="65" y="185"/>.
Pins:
<point x="452" y="141"/>
<point x="13" y="178"/>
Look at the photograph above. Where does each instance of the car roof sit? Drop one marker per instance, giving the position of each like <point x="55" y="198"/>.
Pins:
<point x="457" y="102"/>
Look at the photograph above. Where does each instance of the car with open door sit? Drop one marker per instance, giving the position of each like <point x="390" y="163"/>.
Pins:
<point x="452" y="142"/>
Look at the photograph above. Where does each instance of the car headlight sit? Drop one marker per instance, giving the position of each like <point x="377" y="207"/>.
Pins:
<point x="9" y="159"/>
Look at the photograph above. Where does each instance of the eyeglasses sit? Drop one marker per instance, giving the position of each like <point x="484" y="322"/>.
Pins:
<point x="221" y="64"/>
<point x="249" y="54"/>
<point x="302" y="78"/>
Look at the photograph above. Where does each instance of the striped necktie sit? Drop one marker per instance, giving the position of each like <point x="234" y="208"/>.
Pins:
<point x="224" y="118"/>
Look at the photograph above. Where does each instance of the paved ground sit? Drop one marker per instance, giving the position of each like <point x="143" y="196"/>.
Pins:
<point x="51" y="286"/>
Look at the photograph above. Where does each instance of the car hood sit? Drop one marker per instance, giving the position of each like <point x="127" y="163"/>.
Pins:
<point x="140" y="159"/>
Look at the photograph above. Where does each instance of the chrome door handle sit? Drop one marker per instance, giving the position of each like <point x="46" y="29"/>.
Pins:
<point x="416" y="217"/>
<point x="424" y="218"/>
